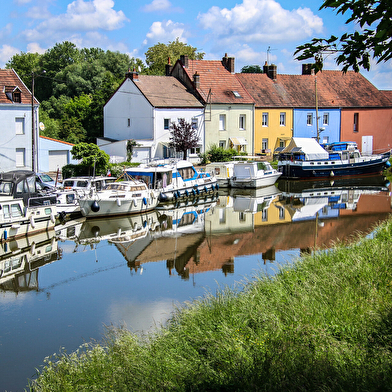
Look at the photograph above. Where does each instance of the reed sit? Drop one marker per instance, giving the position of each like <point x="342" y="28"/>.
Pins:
<point x="322" y="324"/>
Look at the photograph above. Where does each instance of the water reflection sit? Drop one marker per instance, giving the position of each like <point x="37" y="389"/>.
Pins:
<point x="132" y="268"/>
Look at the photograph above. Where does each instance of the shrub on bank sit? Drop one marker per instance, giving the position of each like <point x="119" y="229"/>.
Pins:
<point x="323" y="324"/>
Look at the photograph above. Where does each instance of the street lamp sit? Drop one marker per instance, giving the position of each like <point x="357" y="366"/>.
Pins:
<point x="34" y="138"/>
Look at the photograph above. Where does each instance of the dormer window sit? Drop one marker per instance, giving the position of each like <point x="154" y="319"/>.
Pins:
<point x="13" y="93"/>
<point x="17" y="96"/>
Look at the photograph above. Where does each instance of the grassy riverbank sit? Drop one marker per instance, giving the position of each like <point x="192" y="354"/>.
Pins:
<point x="325" y="324"/>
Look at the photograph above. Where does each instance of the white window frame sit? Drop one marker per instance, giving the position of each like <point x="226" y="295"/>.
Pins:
<point x="242" y="122"/>
<point x="282" y="119"/>
<point x="264" y="144"/>
<point x="326" y="118"/>
<point x="222" y="122"/>
<point x="20" y="157"/>
<point x="195" y="123"/>
<point x="309" y="119"/>
<point x="19" y="126"/>
<point x="222" y="144"/>
<point x="166" y="123"/>
<point x="264" y="119"/>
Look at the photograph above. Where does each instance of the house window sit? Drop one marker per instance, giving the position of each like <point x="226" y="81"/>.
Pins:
<point x="237" y="94"/>
<point x="356" y="122"/>
<point x="325" y="118"/>
<point x="281" y="143"/>
<point x="325" y="139"/>
<point x="264" y="120"/>
<point x="264" y="215"/>
<point x="17" y="97"/>
<point x="281" y="212"/>
<point x="309" y="119"/>
<point x="195" y="124"/>
<point x="129" y="122"/>
<point x="166" y="123"/>
<point x="264" y="145"/>
<point x="194" y="150"/>
<point x="242" y="216"/>
<point x="282" y="119"/>
<point x="222" y="122"/>
<point x="222" y="143"/>
<point x="20" y="157"/>
<point x="242" y="122"/>
<point x="19" y="126"/>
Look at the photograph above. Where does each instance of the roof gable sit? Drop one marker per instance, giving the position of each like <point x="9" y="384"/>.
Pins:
<point x="12" y="87"/>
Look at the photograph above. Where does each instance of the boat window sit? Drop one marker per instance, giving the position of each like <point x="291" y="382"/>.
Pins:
<point x="217" y="171"/>
<point x="6" y="212"/>
<point x="6" y="188"/>
<point x="261" y="166"/>
<point x="163" y="179"/>
<point x="21" y="187"/>
<point x="68" y="184"/>
<point x="48" y="211"/>
<point x="186" y="173"/>
<point x="31" y="184"/>
<point x="81" y="184"/>
<point x="70" y="198"/>
<point x="16" y="211"/>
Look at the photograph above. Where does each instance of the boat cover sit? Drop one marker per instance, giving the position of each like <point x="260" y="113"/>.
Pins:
<point x="308" y="146"/>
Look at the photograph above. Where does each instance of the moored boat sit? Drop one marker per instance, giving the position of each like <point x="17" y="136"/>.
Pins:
<point x="124" y="197"/>
<point x="253" y="174"/>
<point x="24" y="208"/>
<point x="305" y="158"/>
<point x="223" y="172"/>
<point x="174" y="180"/>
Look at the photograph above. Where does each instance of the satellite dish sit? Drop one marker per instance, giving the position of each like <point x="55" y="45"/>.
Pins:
<point x="41" y="126"/>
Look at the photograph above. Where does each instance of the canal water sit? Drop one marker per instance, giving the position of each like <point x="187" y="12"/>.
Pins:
<point x="62" y="288"/>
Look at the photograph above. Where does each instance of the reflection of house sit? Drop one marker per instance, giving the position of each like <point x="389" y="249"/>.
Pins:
<point x="228" y="106"/>
<point x="142" y="109"/>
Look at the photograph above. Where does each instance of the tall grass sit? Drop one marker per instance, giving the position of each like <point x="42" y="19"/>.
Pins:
<point x="322" y="324"/>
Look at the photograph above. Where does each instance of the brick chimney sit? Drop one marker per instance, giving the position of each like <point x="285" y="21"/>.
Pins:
<point x="306" y="69"/>
<point x="228" y="63"/>
<point x="132" y="75"/>
<point x="196" y="80"/>
<point x="184" y="60"/>
<point x="168" y="67"/>
<point x="265" y="68"/>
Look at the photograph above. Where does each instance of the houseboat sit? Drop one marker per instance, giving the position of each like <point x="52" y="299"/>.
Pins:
<point x="174" y="180"/>
<point x="305" y="158"/>
<point x="222" y="171"/>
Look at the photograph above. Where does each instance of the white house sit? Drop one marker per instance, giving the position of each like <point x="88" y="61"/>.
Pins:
<point x="142" y="109"/>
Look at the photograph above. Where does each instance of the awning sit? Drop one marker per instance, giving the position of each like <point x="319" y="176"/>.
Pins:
<point x="238" y="141"/>
<point x="284" y="138"/>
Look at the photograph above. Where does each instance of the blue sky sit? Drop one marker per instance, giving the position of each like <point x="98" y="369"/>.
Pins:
<point x="242" y="29"/>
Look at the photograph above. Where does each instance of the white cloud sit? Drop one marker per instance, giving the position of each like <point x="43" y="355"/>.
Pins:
<point x="35" y="47"/>
<point x="157" y="5"/>
<point x="165" y="31"/>
<point x="80" y="16"/>
<point x="6" y="52"/>
<point x="260" y="20"/>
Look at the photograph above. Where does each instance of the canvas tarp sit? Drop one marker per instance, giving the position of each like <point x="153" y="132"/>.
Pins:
<point x="308" y="146"/>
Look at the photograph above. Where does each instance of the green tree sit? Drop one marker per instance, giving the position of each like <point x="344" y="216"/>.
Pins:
<point x="92" y="156"/>
<point x="52" y="126"/>
<point x="183" y="136"/>
<point x="251" y="69"/>
<point x="71" y="130"/>
<point x="157" y="56"/>
<point x="354" y="50"/>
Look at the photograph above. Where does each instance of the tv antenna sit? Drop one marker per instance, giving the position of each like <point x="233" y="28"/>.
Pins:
<point x="268" y="54"/>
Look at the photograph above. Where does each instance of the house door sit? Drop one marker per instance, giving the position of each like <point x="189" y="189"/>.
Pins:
<point x="367" y="145"/>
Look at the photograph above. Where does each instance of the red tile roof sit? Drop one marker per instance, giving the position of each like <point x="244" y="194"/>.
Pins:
<point x="223" y="84"/>
<point x="334" y="89"/>
<point x="56" y="140"/>
<point x="9" y="80"/>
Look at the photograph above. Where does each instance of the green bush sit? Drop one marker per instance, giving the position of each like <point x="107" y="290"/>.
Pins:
<point x="218" y="154"/>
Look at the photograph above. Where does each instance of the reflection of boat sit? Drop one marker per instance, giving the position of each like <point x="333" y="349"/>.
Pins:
<point x="255" y="201"/>
<point x="253" y="174"/>
<point x="305" y="158"/>
<point x="125" y="197"/>
<point x="122" y="228"/>
<point x="21" y="258"/>
<point x="308" y="198"/>
<point x="24" y="209"/>
<point x="174" y="180"/>
<point x="223" y="172"/>
<point x="69" y="229"/>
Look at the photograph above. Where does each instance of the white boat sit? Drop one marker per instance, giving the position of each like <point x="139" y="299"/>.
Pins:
<point x="256" y="200"/>
<point x="253" y="174"/>
<point x="23" y="208"/>
<point x="118" y="198"/>
<point x="174" y="180"/>
<point x="222" y="171"/>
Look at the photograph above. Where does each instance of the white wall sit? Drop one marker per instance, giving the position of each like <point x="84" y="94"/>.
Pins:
<point x="128" y="103"/>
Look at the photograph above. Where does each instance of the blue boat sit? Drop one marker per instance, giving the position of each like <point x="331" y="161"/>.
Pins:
<point x="305" y="158"/>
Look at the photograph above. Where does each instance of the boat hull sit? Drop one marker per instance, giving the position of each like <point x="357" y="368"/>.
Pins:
<point x="265" y="180"/>
<point x="326" y="169"/>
